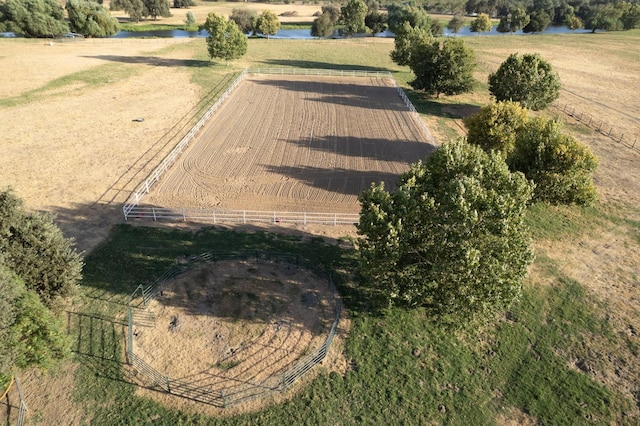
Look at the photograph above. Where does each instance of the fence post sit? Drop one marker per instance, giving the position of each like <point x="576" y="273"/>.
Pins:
<point x="224" y="399"/>
<point x="153" y="209"/>
<point x="168" y="384"/>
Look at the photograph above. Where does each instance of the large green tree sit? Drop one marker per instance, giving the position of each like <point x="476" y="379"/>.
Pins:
<point x="36" y="251"/>
<point x="561" y="167"/>
<point x="496" y="126"/>
<point x="451" y="238"/>
<point x="225" y="40"/>
<point x="605" y="17"/>
<point x="539" y="20"/>
<point x="455" y="24"/>
<point x="515" y="20"/>
<point x="325" y="24"/>
<point x="33" y="18"/>
<point x="406" y="41"/>
<point x="138" y="9"/>
<point x="244" y="18"/>
<point x="90" y="19"/>
<point x="134" y="8"/>
<point x="267" y="23"/>
<point x="527" y="79"/>
<point x="352" y="17"/>
<point x="442" y="67"/>
<point x="31" y="335"/>
<point x="482" y="24"/>
<point x="416" y="17"/>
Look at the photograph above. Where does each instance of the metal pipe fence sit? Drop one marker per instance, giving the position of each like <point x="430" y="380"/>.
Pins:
<point x="238" y="216"/>
<point x="240" y="391"/>
<point x="133" y="209"/>
<point x="599" y="126"/>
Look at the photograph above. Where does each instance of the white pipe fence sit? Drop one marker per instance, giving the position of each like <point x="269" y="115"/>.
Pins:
<point x="239" y="216"/>
<point x="132" y="208"/>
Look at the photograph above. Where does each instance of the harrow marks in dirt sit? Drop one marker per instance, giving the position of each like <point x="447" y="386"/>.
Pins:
<point x="292" y="143"/>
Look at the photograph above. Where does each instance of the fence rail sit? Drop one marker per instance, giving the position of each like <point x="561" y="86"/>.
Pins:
<point x="599" y="125"/>
<point x="132" y="208"/>
<point x="320" y="71"/>
<point x="244" y="390"/>
<point x="239" y="216"/>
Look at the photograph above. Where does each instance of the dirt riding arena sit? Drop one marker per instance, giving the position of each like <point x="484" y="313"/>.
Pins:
<point x="296" y="143"/>
<point x="236" y="325"/>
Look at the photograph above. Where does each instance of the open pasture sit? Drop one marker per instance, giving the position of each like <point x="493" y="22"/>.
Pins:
<point x="296" y="143"/>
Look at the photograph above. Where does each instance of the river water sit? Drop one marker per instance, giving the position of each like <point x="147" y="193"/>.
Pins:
<point x="306" y="33"/>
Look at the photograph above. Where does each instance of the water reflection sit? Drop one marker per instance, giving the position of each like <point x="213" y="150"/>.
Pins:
<point x="306" y="33"/>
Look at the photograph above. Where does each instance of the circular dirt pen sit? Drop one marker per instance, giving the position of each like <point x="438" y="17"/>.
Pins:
<point x="234" y="327"/>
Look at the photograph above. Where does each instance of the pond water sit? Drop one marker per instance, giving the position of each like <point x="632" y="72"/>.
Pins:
<point x="306" y="33"/>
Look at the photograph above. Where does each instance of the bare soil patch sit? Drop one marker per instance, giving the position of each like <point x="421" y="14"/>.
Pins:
<point x="236" y="325"/>
<point x="296" y="143"/>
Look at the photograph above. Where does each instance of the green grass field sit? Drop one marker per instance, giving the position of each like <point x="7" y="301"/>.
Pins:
<point x="552" y="359"/>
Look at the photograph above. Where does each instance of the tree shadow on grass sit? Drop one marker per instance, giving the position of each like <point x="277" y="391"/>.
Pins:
<point x="442" y="107"/>
<point x="153" y="60"/>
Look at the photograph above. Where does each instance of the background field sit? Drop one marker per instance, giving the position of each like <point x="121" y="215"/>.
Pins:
<point x="569" y="349"/>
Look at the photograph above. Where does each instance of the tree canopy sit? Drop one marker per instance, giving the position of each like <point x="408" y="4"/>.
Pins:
<point x="442" y="67"/>
<point x="561" y="167"/>
<point x="481" y="24"/>
<point x="407" y="41"/>
<point x="451" y="238"/>
<point x="496" y="125"/>
<point x="539" y="20"/>
<point x="33" y="18"/>
<point x="455" y="24"/>
<point x="225" y="40"/>
<point x="37" y="266"/>
<point x="36" y="251"/>
<point x="90" y="19"/>
<point x="267" y="23"/>
<point x="527" y="79"/>
<point x="138" y="9"/>
<point x="352" y="17"/>
<point x="324" y="25"/>
<point x="514" y="21"/>
<point x="244" y="18"/>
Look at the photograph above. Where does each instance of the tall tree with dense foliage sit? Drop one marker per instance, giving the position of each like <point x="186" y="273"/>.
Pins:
<point x="35" y="250"/>
<point x="352" y="17"/>
<point x="416" y="17"/>
<point x="515" y="20"/>
<point x="527" y="79"/>
<point x="605" y="17"/>
<point x="90" y="19"/>
<point x="455" y="24"/>
<point x="33" y="18"/>
<point x="406" y="41"/>
<point x="539" y="20"/>
<point x="561" y="167"/>
<point x="482" y="24"/>
<point x="443" y="67"/>
<point x="375" y="21"/>
<point x="155" y="8"/>
<point x="138" y="9"/>
<point x="225" y="40"/>
<point x="31" y="335"/>
<point x="267" y="23"/>
<point x="134" y="8"/>
<point x="451" y="238"/>
<point x="496" y="126"/>
<point x="244" y="18"/>
<point x="325" y="24"/>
